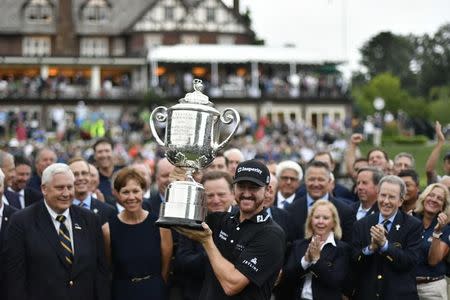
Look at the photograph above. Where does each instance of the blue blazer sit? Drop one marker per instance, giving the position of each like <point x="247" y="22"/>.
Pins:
<point x="328" y="273"/>
<point x="389" y="274"/>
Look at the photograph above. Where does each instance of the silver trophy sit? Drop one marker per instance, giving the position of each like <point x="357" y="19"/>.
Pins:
<point x="191" y="142"/>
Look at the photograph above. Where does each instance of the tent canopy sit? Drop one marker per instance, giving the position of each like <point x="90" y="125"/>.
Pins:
<point x="237" y="54"/>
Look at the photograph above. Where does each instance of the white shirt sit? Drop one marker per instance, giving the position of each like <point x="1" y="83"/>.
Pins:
<point x="307" y="285"/>
<point x="1" y="215"/>
<point x="57" y="224"/>
<point x="282" y="200"/>
<point x="5" y="201"/>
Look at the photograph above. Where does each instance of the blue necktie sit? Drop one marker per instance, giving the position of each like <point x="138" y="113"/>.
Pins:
<point x="64" y="239"/>
<point x="14" y="200"/>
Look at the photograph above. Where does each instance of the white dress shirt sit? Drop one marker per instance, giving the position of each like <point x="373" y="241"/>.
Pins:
<point x="282" y="200"/>
<point x="57" y="224"/>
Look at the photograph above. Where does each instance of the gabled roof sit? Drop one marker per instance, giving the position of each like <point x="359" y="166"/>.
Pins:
<point x="124" y="13"/>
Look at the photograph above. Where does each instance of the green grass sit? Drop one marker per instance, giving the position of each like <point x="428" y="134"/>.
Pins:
<point x="420" y="152"/>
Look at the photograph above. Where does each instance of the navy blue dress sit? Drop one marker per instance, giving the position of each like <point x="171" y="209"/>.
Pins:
<point x="136" y="260"/>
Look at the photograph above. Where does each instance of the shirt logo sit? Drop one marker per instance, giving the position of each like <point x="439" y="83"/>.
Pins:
<point x="223" y="235"/>
<point x="261" y="218"/>
<point x="251" y="264"/>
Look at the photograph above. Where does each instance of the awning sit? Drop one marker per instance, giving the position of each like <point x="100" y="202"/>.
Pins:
<point x="237" y="54"/>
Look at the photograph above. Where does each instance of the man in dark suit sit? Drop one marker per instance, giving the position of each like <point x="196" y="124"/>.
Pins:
<point x="18" y="192"/>
<point x="386" y="247"/>
<point x="163" y="170"/>
<point x="83" y="196"/>
<point x="54" y="250"/>
<point x="318" y="180"/>
<point x="367" y="181"/>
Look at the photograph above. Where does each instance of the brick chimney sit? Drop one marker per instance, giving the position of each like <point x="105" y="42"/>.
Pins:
<point x="236" y="6"/>
<point x="65" y="42"/>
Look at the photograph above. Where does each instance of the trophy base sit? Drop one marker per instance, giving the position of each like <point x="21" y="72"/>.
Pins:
<point x="168" y="222"/>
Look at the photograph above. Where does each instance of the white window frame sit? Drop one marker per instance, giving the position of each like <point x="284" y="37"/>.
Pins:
<point x="36" y="46"/>
<point x="94" y="46"/>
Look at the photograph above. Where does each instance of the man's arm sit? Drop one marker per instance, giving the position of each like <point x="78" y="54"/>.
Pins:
<point x="430" y="166"/>
<point x="350" y="154"/>
<point x="230" y="278"/>
<point x="166" y="251"/>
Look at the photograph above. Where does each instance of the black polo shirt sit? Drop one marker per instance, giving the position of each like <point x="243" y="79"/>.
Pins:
<point x="256" y="248"/>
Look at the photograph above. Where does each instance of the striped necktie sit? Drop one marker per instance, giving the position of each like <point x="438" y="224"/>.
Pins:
<point x="386" y="223"/>
<point x="64" y="239"/>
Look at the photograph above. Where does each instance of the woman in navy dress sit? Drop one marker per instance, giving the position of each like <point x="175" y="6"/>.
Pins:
<point x="138" y="250"/>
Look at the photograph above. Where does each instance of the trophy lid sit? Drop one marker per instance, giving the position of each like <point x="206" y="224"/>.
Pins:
<point x="196" y="97"/>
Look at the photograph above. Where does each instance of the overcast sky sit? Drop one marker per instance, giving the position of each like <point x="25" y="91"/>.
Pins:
<point x="340" y="27"/>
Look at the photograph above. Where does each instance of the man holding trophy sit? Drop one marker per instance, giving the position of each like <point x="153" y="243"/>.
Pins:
<point x="245" y="248"/>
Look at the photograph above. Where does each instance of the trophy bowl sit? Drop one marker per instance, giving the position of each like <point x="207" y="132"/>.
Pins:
<point x="191" y="142"/>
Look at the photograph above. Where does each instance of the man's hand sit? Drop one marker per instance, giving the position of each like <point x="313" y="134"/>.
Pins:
<point x="439" y="134"/>
<point x="356" y="139"/>
<point x="201" y="236"/>
<point x="378" y="234"/>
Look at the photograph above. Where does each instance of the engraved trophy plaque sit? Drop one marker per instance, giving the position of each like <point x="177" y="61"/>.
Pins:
<point x="191" y="142"/>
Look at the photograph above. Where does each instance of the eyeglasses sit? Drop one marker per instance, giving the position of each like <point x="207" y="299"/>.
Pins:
<point x="287" y="178"/>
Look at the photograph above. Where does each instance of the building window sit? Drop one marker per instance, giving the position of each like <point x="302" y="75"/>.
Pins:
<point x="152" y="40"/>
<point x="169" y="13"/>
<point x="94" y="47"/>
<point x="189" y="39"/>
<point x="210" y="14"/>
<point x="226" y="40"/>
<point x="118" y="47"/>
<point x="36" y="46"/>
<point x="96" y="12"/>
<point x="39" y="11"/>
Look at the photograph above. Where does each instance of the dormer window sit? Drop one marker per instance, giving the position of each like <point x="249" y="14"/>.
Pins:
<point x="39" y="12"/>
<point x="96" y="12"/>
<point x="169" y="14"/>
<point x="210" y="14"/>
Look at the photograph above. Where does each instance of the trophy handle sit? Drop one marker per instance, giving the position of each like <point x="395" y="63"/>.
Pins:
<point x="229" y="115"/>
<point x="160" y="114"/>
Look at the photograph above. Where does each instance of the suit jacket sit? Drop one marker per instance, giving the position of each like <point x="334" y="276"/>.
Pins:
<point x="103" y="210"/>
<point x="155" y="202"/>
<point x="8" y="211"/>
<point x="390" y="274"/>
<point x="190" y="264"/>
<point x="30" y="196"/>
<point x="372" y="210"/>
<point x="299" y="213"/>
<point x="328" y="273"/>
<point x="283" y="218"/>
<point x="35" y="264"/>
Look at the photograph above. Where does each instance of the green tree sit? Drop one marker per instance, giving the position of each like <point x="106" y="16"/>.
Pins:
<point x="386" y="86"/>
<point x="390" y="53"/>
<point x="433" y="59"/>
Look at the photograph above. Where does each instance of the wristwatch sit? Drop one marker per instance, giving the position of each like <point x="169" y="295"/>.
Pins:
<point x="437" y="235"/>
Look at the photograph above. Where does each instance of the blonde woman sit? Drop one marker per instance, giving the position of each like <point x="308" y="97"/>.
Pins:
<point x="319" y="264"/>
<point x="433" y="210"/>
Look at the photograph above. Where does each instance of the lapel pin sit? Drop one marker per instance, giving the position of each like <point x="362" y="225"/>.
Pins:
<point x="6" y="219"/>
<point x="397" y="227"/>
<point x="77" y="226"/>
<point x="95" y="210"/>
